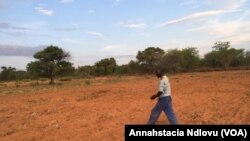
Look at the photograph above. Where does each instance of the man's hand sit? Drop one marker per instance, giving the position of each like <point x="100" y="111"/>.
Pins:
<point x="153" y="96"/>
<point x="156" y="95"/>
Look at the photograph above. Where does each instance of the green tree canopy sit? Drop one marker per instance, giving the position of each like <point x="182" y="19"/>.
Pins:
<point x="247" y="58"/>
<point x="8" y="73"/>
<point x="85" y="71"/>
<point x="50" y="62"/>
<point x="224" y="56"/>
<point x="190" y="58"/>
<point x="105" y="66"/>
<point x="172" y="61"/>
<point x="150" y="58"/>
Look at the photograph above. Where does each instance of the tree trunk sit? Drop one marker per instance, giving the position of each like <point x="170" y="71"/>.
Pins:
<point x="52" y="80"/>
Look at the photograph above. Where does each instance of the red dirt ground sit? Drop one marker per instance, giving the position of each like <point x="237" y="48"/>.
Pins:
<point x="77" y="111"/>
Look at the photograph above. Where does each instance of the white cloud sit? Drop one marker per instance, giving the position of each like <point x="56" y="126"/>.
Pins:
<point x="75" y="28"/>
<point x="116" y="3"/>
<point x="66" y="28"/>
<point x="112" y="47"/>
<point x="124" y="59"/>
<point x="47" y="12"/>
<point x="72" y="41"/>
<point x="66" y="1"/>
<point x="7" y="25"/>
<point x="92" y="59"/>
<point x="227" y="4"/>
<point x="186" y="3"/>
<point x="75" y="24"/>
<point x="96" y="34"/>
<point x="91" y="11"/>
<point x="19" y="62"/>
<point x="12" y="33"/>
<point x="191" y="4"/>
<point x="237" y="32"/>
<point x="117" y="50"/>
<point x="239" y="40"/>
<point x="223" y="28"/>
<point x="3" y="4"/>
<point x="16" y="50"/>
<point x="145" y="34"/>
<point x="218" y="4"/>
<point x="245" y="14"/>
<point x="197" y="15"/>
<point x="14" y="29"/>
<point x="133" y="25"/>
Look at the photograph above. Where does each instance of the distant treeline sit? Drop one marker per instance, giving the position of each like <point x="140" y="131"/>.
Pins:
<point x="54" y="62"/>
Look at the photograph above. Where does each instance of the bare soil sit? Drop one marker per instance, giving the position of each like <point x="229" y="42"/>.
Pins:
<point x="97" y="109"/>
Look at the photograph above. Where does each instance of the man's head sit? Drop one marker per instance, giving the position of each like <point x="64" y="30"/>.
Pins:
<point x="159" y="73"/>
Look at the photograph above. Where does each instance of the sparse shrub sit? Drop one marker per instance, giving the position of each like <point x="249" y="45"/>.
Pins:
<point x="58" y="84"/>
<point x="34" y="83"/>
<point x="146" y="76"/>
<point x="43" y="79"/>
<point x="248" y="93"/>
<point x="66" y="79"/>
<point x="17" y="84"/>
<point x="87" y="82"/>
<point x="26" y="80"/>
<point x="113" y="80"/>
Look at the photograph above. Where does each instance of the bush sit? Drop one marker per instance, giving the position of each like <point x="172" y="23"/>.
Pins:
<point x="87" y="82"/>
<point x="65" y="79"/>
<point x="43" y="79"/>
<point x="17" y="84"/>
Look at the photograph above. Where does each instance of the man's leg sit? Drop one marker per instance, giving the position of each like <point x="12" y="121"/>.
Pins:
<point x="155" y="113"/>
<point x="168" y="110"/>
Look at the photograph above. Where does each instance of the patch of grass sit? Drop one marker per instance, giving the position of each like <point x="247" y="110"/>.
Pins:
<point x="3" y="84"/>
<point x="34" y="83"/>
<point x="222" y="76"/>
<point x="7" y="92"/>
<point x="113" y="80"/>
<point x="58" y="84"/>
<point x="146" y="76"/>
<point x="26" y="80"/>
<point x="43" y="79"/>
<point x="87" y="82"/>
<point x="88" y="77"/>
<point x="92" y="96"/>
<point x="65" y="79"/>
<point x="175" y="77"/>
<point x="193" y="75"/>
<point x="18" y="84"/>
<point x="248" y="93"/>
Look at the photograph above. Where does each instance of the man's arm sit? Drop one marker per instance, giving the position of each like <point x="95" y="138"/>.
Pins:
<point x="156" y="95"/>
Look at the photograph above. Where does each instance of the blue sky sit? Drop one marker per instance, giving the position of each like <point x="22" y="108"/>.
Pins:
<point x="95" y="29"/>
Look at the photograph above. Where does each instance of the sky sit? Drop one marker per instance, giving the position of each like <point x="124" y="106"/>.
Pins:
<point x="91" y="30"/>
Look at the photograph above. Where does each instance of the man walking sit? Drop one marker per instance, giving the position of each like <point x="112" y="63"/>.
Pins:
<point x="164" y="102"/>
